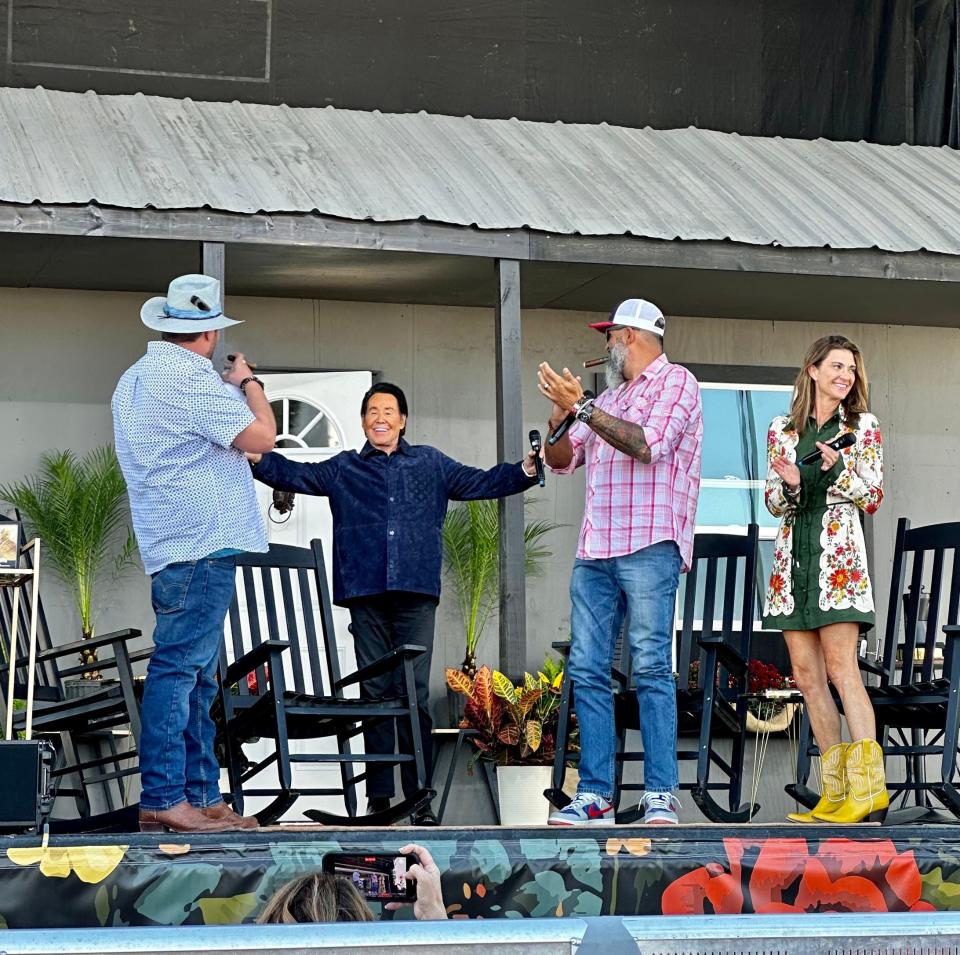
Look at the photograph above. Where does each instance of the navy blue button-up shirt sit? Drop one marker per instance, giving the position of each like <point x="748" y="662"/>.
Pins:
<point x="388" y="510"/>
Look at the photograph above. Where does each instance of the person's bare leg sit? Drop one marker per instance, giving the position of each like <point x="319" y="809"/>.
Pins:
<point x="839" y="645"/>
<point x="810" y="675"/>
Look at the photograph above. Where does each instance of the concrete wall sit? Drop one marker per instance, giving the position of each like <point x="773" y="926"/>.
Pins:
<point x="63" y="353"/>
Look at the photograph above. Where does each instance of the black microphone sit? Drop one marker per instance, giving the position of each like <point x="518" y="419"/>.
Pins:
<point x="564" y="426"/>
<point x="536" y="444"/>
<point x="841" y="441"/>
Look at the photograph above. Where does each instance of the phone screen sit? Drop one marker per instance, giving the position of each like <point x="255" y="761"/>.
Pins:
<point x="378" y="876"/>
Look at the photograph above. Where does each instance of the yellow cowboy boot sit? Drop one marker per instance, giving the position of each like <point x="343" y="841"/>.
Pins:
<point x="833" y="785"/>
<point x="866" y="785"/>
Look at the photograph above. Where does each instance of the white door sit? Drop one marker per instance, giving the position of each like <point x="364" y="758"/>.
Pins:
<point x="318" y="416"/>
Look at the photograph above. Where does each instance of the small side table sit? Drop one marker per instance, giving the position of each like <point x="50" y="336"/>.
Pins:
<point x="771" y="704"/>
<point x="461" y="736"/>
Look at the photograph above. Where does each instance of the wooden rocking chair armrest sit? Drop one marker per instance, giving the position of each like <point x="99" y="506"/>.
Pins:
<point x="952" y="630"/>
<point x="94" y="643"/>
<point x="262" y="653"/>
<point x="388" y="661"/>
<point x="561" y="646"/>
<point x="727" y="653"/>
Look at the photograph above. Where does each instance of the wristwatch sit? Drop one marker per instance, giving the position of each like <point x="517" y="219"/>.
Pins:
<point x="583" y="409"/>
<point x="246" y="381"/>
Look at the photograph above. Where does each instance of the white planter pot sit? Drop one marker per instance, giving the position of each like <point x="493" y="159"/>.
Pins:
<point x="776" y="722"/>
<point x="520" y="792"/>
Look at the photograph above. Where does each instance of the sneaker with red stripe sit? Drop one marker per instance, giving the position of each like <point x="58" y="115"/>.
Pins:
<point x="586" y="809"/>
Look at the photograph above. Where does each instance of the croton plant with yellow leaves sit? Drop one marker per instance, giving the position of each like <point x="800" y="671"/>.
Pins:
<point x="516" y="724"/>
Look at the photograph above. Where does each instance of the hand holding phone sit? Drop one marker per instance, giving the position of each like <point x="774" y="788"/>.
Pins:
<point x="426" y="874"/>
<point x="377" y="876"/>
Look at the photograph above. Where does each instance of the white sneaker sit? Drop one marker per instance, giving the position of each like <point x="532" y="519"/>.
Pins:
<point x="585" y="809"/>
<point x="660" y="809"/>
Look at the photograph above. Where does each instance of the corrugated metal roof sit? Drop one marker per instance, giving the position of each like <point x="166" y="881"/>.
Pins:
<point x="147" y="151"/>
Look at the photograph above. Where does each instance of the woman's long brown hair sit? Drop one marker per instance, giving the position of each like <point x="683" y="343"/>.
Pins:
<point x="804" y="388"/>
<point x="320" y="897"/>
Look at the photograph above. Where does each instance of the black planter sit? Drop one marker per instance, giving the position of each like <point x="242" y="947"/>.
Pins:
<point x="455" y="704"/>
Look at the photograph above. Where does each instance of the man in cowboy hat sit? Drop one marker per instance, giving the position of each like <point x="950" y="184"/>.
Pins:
<point x="180" y="434"/>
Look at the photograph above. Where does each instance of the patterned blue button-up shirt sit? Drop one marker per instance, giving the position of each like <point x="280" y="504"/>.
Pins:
<point x="388" y="510"/>
<point x="191" y="492"/>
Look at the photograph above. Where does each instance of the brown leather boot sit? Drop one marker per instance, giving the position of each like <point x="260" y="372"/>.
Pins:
<point x="182" y="818"/>
<point x="222" y="811"/>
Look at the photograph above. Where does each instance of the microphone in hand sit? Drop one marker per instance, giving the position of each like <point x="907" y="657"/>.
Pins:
<point x="838" y="443"/>
<point x="564" y="426"/>
<point x="536" y="445"/>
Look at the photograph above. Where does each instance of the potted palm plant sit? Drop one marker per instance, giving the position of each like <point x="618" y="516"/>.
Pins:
<point x="77" y="507"/>
<point x="516" y="731"/>
<point x="471" y="552"/>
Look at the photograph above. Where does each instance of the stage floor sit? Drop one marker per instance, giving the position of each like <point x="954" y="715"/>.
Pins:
<point x="490" y="872"/>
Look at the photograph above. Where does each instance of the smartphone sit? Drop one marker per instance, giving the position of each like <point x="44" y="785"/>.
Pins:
<point x="378" y="876"/>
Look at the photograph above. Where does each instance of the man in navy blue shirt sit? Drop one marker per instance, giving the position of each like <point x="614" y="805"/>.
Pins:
<point x="388" y="502"/>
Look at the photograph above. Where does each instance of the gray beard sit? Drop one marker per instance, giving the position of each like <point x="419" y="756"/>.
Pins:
<point x="616" y="359"/>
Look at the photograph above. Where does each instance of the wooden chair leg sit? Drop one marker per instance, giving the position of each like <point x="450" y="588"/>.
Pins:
<point x="799" y="789"/>
<point x="555" y="794"/>
<point x="414" y="716"/>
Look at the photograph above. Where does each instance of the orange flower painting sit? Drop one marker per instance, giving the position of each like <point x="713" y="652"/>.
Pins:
<point x="791" y="875"/>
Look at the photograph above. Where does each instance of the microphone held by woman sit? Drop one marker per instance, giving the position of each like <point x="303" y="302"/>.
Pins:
<point x="847" y="440"/>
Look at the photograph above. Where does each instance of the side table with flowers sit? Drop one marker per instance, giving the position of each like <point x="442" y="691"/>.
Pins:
<point x="773" y="701"/>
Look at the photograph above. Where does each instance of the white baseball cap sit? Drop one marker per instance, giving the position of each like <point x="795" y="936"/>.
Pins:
<point x="635" y="313"/>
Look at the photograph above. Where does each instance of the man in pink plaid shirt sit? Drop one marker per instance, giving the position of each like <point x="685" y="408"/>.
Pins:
<point x="640" y="442"/>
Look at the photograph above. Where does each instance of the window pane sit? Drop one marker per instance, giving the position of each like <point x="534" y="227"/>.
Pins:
<point x="723" y="435"/>
<point x="766" y="406"/>
<point x="735" y="423"/>
<point x="733" y="507"/>
<point x="322" y="435"/>
<point x="301" y="414"/>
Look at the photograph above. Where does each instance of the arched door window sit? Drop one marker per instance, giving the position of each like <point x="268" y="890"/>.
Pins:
<point x="302" y="425"/>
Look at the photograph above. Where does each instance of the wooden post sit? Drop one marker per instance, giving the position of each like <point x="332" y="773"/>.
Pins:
<point x="212" y="264"/>
<point x="510" y="447"/>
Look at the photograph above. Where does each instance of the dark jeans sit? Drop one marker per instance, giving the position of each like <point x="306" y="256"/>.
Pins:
<point x="380" y="623"/>
<point x="177" y="759"/>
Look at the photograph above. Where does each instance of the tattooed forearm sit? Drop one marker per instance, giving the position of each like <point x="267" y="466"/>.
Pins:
<point x="623" y="435"/>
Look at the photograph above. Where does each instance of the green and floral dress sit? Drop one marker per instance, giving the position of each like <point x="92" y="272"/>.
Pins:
<point x="819" y="574"/>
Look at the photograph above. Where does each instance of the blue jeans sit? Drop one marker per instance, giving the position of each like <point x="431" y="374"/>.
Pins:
<point x="177" y="758"/>
<point x="643" y="584"/>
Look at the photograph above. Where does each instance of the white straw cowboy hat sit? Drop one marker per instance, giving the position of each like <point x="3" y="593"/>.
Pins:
<point x="192" y="305"/>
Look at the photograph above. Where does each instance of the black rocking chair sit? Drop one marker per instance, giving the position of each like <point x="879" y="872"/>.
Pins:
<point x="917" y="701"/>
<point x="715" y="631"/>
<point x="90" y="767"/>
<point x="275" y="643"/>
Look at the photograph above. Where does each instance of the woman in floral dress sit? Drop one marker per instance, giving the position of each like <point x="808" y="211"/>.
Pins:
<point x="819" y="593"/>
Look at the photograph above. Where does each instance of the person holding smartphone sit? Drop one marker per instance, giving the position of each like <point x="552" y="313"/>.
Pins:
<point x="325" y="897"/>
<point x="181" y="430"/>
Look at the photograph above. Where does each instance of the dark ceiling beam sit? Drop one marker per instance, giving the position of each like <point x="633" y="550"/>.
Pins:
<point x="311" y="229"/>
